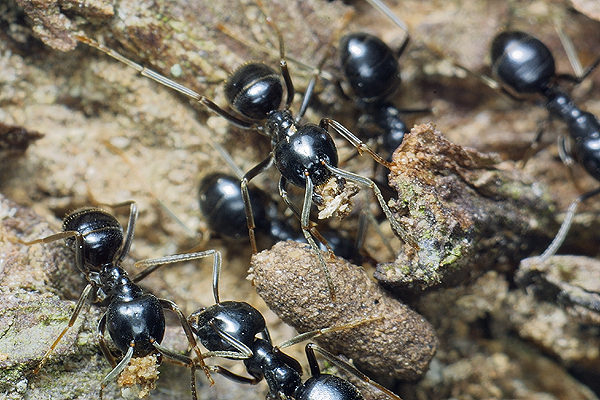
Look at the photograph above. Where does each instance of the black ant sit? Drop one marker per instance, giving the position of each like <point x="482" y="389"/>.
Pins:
<point x="372" y="71"/>
<point x="304" y="154"/>
<point x="229" y="329"/>
<point x="222" y="204"/>
<point x="134" y="319"/>
<point x="526" y="65"/>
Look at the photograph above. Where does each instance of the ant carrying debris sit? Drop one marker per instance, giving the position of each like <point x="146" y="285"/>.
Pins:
<point x="134" y="319"/>
<point x="305" y="154"/>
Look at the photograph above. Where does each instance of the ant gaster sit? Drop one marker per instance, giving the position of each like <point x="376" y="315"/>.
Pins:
<point x="526" y="65"/>
<point x="222" y="204"/>
<point x="371" y="70"/>
<point x="134" y="319"/>
<point x="304" y="154"/>
<point x="230" y="328"/>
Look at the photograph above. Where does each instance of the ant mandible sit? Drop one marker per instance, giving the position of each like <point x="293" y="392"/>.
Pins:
<point x="526" y="65"/>
<point x="229" y="329"/>
<point x="304" y="154"/>
<point x="134" y="319"/>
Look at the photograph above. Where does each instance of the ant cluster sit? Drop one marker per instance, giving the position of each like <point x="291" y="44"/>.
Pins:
<point x="306" y="157"/>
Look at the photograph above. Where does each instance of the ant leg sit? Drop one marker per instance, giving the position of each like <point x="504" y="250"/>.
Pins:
<point x="133" y="214"/>
<point x="415" y="110"/>
<point x="184" y="360"/>
<point x="569" y="50"/>
<point x="366" y="217"/>
<point x="82" y="298"/>
<point x="564" y="228"/>
<point x="233" y="376"/>
<point x="403" y="46"/>
<point x="64" y="235"/>
<point x="117" y="370"/>
<point x="163" y="80"/>
<point x="169" y="305"/>
<point x="361" y="180"/>
<point x="327" y="123"/>
<point x="243" y="352"/>
<point x="381" y="7"/>
<point x="103" y="346"/>
<point x="580" y="73"/>
<point x="565" y="154"/>
<point x="589" y="69"/>
<point x="262" y="166"/>
<point x="535" y="144"/>
<point x="283" y="67"/>
<point x="283" y="183"/>
<point x="153" y="264"/>
<point x="317" y="71"/>
<point x="338" y="362"/>
<point x="305" y="225"/>
<point x="318" y="332"/>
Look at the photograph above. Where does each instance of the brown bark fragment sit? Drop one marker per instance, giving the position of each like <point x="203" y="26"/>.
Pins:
<point x="466" y="211"/>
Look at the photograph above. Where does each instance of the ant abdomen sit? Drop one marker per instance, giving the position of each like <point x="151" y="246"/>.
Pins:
<point x="304" y="152"/>
<point x="369" y="65"/>
<point x="254" y="90"/>
<point x="236" y="318"/>
<point x="522" y="61"/>
<point x="328" y="386"/>
<point x="146" y="328"/>
<point x="102" y="234"/>
<point x="587" y="150"/>
<point x="222" y="205"/>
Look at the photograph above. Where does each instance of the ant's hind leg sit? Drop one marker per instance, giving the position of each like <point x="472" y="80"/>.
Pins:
<point x="169" y="305"/>
<point x="534" y="146"/>
<point x="82" y="298"/>
<point x="183" y="360"/>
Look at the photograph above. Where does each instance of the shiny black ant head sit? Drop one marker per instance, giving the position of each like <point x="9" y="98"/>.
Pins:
<point x="522" y="62"/>
<point x="254" y="90"/>
<point x="238" y="319"/>
<point x="221" y="203"/>
<point x="369" y="65"/>
<point x="102" y="235"/>
<point x="305" y="151"/>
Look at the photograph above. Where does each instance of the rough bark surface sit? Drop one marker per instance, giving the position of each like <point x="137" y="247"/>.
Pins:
<point x="465" y="212"/>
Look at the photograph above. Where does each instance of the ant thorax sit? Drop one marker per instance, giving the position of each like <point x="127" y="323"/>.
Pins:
<point x="280" y="125"/>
